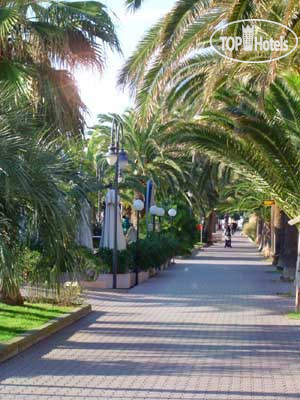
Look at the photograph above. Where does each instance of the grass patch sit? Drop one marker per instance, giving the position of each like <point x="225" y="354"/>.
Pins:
<point x="293" y="315"/>
<point x="17" y="320"/>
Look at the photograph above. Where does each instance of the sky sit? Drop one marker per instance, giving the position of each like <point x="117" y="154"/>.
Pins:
<point x="99" y="92"/>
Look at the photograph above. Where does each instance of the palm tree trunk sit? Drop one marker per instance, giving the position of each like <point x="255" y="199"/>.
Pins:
<point x="259" y="231"/>
<point x="211" y="227"/>
<point x="297" y="300"/>
<point x="11" y="294"/>
<point x="266" y="247"/>
<point x="289" y="249"/>
<point x="277" y="233"/>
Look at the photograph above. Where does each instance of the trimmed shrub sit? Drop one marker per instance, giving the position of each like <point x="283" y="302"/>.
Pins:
<point x="153" y="251"/>
<point x="125" y="260"/>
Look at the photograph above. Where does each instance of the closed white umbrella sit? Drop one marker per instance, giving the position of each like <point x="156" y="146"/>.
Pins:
<point x="108" y="230"/>
<point x="84" y="230"/>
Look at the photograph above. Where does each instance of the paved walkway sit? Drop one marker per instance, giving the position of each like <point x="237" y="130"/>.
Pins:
<point x="209" y="328"/>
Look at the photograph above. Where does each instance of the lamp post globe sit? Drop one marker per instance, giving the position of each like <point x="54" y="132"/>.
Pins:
<point x="111" y="156"/>
<point x="123" y="159"/>
<point x="172" y="213"/>
<point x="153" y="210"/>
<point x="160" y="212"/>
<point x="138" y="205"/>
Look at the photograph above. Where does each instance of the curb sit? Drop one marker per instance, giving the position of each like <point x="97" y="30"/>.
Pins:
<point x="20" y="343"/>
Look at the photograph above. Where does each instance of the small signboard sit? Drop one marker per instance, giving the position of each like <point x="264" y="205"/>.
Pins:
<point x="269" y="203"/>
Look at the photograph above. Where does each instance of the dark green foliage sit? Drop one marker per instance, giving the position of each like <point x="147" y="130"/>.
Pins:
<point x="89" y="263"/>
<point x="184" y="229"/>
<point x="125" y="260"/>
<point x="153" y="251"/>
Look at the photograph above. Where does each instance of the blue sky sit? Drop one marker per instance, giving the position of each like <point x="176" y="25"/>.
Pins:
<point x="99" y="92"/>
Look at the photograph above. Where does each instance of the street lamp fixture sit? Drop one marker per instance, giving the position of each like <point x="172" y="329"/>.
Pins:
<point x="123" y="160"/>
<point x="172" y="214"/>
<point x="153" y="212"/>
<point x="138" y="206"/>
<point x="111" y="156"/>
<point x="119" y="159"/>
<point x="160" y="213"/>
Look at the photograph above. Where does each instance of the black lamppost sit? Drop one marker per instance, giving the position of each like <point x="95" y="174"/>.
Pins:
<point x="119" y="159"/>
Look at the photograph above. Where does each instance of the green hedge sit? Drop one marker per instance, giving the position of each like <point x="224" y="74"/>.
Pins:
<point x="147" y="253"/>
<point x="153" y="251"/>
<point x="125" y="260"/>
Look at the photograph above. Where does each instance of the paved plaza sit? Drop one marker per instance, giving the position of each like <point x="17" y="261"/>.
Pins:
<point x="211" y="327"/>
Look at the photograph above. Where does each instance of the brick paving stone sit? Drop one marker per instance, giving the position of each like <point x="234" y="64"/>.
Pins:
<point x="209" y="328"/>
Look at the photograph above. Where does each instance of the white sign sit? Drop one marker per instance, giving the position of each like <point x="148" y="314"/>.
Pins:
<point x="254" y="40"/>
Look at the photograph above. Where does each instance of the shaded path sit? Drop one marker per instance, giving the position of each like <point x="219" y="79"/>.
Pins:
<point x="211" y="327"/>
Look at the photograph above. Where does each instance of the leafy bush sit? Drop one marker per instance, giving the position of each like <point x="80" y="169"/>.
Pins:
<point x="89" y="263"/>
<point x="30" y="261"/>
<point x="153" y="251"/>
<point x="249" y="229"/>
<point x="125" y="260"/>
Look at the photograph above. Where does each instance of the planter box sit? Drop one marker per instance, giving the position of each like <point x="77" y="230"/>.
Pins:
<point x="143" y="276"/>
<point x="105" y="281"/>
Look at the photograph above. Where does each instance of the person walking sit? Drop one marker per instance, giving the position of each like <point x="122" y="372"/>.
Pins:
<point x="125" y="224"/>
<point x="227" y="235"/>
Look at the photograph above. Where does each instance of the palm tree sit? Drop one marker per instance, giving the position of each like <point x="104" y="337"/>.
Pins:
<point x="133" y="4"/>
<point x="41" y="191"/>
<point x="262" y="144"/>
<point x="41" y="45"/>
<point x="174" y="62"/>
<point x="150" y="157"/>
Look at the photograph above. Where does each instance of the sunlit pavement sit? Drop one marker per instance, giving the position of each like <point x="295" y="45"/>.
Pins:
<point x="212" y="327"/>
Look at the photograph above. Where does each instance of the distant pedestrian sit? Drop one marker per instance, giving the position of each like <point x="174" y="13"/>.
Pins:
<point x="233" y="227"/>
<point x="125" y="224"/>
<point x="227" y="235"/>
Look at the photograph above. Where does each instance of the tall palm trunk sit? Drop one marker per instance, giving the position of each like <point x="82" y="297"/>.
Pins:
<point x="11" y="294"/>
<point x="266" y="245"/>
<point x="289" y="249"/>
<point x="277" y="233"/>
<point x="10" y="276"/>
<point x="297" y="281"/>
<point x="211" y="226"/>
<point x="259" y="231"/>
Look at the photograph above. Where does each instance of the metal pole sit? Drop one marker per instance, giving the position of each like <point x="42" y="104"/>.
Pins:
<point x="138" y="226"/>
<point x="115" y="251"/>
<point x="153" y="222"/>
<point x="137" y="238"/>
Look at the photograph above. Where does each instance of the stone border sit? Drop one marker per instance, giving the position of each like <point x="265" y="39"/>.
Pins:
<point x="29" y="338"/>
